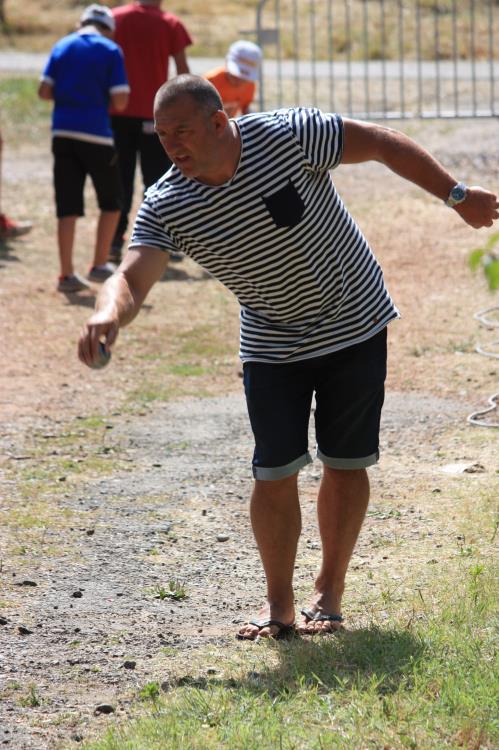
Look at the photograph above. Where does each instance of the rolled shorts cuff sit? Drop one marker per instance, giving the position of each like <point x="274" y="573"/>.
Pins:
<point x="348" y="463"/>
<point x="281" y="472"/>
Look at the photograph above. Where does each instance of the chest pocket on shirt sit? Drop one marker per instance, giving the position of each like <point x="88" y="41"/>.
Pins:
<point x="286" y="206"/>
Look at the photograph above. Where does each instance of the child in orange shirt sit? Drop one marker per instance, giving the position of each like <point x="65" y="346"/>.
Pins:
<point x="235" y="81"/>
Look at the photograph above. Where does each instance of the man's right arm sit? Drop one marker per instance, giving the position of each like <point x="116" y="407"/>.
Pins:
<point x="120" y="300"/>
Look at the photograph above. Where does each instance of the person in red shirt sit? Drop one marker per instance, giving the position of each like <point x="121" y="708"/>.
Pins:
<point x="235" y="81"/>
<point x="9" y="229"/>
<point x="148" y="37"/>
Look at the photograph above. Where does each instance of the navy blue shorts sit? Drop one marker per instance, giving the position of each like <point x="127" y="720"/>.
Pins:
<point x="349" y="393"/>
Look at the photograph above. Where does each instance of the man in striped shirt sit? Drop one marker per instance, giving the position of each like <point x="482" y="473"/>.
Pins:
<point x="252" y="201"/>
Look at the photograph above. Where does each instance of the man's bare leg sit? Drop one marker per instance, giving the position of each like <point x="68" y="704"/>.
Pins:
<point x="65" y="238"/>
<point x="341" y="508"/>
<point x="106" y="227"/>
<point x="276" y="521"/>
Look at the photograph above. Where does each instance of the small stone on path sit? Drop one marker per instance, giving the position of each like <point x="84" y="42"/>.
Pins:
<point x="104" y="708"/>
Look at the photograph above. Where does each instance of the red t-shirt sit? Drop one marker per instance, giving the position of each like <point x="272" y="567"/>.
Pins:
<point x="148" y="37"/>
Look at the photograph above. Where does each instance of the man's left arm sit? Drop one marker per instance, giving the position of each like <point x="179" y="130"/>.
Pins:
<point x="46" y="90"/>
<point x="365" y="141"/>
<point x="181" y="63"/>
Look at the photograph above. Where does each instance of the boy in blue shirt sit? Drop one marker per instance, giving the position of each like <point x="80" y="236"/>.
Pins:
<point x="85" y="73"/>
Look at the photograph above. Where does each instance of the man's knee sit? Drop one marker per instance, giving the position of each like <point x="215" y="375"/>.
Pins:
<point x="341" y="476"/>
<point x="276" y="487"/>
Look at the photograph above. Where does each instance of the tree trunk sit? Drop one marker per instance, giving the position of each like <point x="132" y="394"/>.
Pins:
<point x="2" y="12"/>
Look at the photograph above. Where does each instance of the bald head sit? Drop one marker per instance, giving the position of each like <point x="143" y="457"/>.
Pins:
<point x="201" y="91"/>
<point x="194" y="130"/>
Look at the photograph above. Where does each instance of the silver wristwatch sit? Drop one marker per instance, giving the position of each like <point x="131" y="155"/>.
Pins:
<point x="457" y="195"/>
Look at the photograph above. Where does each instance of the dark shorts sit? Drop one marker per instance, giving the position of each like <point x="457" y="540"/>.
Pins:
<point x="73" y="160"/>
<point x="349" y="393"/>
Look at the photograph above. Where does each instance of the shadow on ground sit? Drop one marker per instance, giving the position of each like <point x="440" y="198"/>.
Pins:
<point x="367" y="658"/>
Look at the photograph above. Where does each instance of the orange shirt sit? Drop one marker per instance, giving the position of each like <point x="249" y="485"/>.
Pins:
<point x="236" y="98"/>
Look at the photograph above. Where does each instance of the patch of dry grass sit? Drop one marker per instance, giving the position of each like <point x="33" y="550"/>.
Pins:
<point x="36" y="25"/>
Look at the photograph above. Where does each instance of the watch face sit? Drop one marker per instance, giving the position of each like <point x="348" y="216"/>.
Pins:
<point x="458" y="193"/>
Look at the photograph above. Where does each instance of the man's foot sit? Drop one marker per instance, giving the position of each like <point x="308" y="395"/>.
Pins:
<point x="265" y="629"/>
<point x="101" y="273"/>
<point x="271" y="622"/>
<point x="72" y="283"/>
<point x="316" y="622"/>
<point x="10" y="229"/>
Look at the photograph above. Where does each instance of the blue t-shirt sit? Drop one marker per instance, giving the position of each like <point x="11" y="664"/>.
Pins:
<point x="84" y="68"/>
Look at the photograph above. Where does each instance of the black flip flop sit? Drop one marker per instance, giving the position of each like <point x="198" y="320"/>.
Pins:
<point x="285" y="631"/>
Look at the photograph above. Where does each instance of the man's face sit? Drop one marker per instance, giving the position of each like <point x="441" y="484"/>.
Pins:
<point x="189" y="136"/>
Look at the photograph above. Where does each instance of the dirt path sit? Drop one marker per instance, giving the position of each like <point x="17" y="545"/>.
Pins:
<point x="108" y="493"/>
<point x="179" y="512"/>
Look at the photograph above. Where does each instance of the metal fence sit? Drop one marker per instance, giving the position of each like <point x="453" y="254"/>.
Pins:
<point x="380" y="59"/>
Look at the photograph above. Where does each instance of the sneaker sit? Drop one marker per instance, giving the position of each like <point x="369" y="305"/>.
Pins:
<point x="101" y="273"/>
<point x="10" y="229"/>
<point x="72" y="283"/>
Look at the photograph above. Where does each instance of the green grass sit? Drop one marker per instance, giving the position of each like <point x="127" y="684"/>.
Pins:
<point x="426" y="682"/>
<point x="205" y="341"/>
<point x="187" y="370"/>
<point x="198" y="359"/>
<point x="174" y="590"/>
<point x="54" y="466"/>
<point x="25" y="117"/>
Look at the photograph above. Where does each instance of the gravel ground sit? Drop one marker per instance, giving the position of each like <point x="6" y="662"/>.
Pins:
<point x="80" y="624"/>
<point x="84" y="625"/>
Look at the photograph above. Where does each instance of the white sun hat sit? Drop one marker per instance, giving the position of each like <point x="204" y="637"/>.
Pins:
<point x="98" y="14"/>
<point x="243" y="60"/>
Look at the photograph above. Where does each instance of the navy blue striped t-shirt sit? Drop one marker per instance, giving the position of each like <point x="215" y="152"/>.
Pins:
<point x="279" y="237"/>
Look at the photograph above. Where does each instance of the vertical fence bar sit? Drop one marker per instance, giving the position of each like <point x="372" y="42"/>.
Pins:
<point x="473" y="54"/>
<point x="330" y="47"/>
<point x="365" y="36"/>
<point x="296" y="52"/>
<point x="383" y="56"/>
<point x="277" y="14"/>
<point x="313" y="56"/>
<point x="287" y="17"/>
<point x="455" y="77"/>
<point x="261" y="80"/>
<point x="401" y="59"/>
<point x="436" y="39"/>
<point x="491" y="58"/>
<point x="418" y="54"/>
<point x="348" y="41"/>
